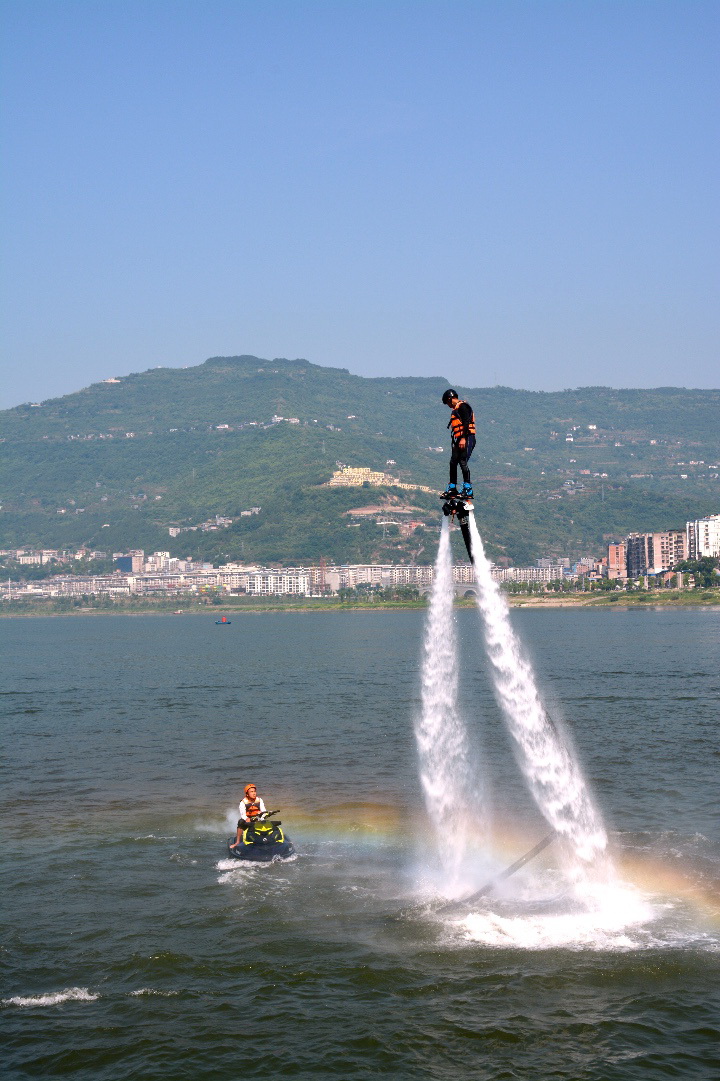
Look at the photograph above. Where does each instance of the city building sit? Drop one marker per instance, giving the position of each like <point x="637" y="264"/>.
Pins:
<point x="653" y="553"/>
<point x="616" y="561"/>
<point x="528" y="574"/>
<point x="669" y="549"/>
<point x="262" y="585"/>
<point x="640" y="555"/>
<point x="703" y="537"/>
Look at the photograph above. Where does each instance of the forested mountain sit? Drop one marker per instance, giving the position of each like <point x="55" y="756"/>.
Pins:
<point x="115" y="465"/>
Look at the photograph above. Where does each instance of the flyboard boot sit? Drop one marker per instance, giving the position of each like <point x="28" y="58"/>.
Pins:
<point x="460" y="506"/>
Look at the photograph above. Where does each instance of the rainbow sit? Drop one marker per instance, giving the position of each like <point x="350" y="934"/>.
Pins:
<point x="377" y="825"/>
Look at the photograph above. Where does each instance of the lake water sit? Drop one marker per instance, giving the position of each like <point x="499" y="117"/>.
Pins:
<point x="133" y="948"/>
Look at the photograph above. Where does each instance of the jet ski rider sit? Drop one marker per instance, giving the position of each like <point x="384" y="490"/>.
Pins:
<point x="251" y="808"/>
<point x="462" y="433"/>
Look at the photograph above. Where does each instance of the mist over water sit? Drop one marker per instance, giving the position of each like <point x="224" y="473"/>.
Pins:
<point x="452" y="787"/>
<point x="548" y="764"/>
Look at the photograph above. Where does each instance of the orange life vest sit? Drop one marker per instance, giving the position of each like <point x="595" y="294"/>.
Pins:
<point x="456" y="426"/>
<point x="252" y="810"/>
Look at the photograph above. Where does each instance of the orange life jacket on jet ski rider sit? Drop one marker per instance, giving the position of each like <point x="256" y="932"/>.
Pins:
<point x="251" y="811"/>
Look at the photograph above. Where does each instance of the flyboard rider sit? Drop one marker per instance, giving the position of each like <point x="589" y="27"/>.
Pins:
<point x="462" y="435"/>
<point x="251" y="807"/>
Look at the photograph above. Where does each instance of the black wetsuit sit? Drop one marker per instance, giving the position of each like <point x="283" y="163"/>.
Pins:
<point x="459" y="456"/>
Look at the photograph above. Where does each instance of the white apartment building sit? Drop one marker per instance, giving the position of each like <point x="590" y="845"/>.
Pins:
<point x="703" y="537"/>
<point x="527" y="574"/>
<point x="262" y="585"/>
<point x="74" y="585"/>
<point x="361" y="574"/>
<point x="28" y="558"/>
<point x="159" y="562"/>
<point x="154" y="583"/>
<point x="386" y="575"/>
<point x="233" y="580"/>
<point x="406" y="576"/>
<point x="169" y="581"/>
<point x="391" y="575"/>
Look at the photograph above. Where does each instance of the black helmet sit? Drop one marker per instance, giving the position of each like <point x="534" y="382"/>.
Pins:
<point x="448" y="396"/>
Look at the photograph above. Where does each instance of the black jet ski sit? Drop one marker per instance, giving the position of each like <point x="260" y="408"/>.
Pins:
<point x="264" y="840"/>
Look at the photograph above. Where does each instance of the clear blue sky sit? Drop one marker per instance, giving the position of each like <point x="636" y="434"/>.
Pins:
<point x="504" y="192"/>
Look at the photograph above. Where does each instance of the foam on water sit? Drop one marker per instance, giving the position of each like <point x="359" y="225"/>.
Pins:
<point x="54" y="998"/>
<point x="235" y="871"/>
<point x="604" y="928"/>
<point x="232" y="865"/>
<point x="620" y="918"/>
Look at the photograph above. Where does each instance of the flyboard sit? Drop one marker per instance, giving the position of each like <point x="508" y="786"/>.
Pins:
<point x="455" y="507"/>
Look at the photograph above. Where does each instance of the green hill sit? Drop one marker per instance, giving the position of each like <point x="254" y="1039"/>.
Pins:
<point x="118" y="463"/>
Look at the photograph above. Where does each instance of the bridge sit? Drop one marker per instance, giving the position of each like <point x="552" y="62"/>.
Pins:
<point x="462" y="589"/>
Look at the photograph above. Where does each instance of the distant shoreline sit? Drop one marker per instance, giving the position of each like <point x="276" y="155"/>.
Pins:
<point x="664" y="599"/>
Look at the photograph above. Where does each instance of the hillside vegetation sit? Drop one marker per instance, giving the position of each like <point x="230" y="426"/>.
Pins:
<point x="116" y="464"/>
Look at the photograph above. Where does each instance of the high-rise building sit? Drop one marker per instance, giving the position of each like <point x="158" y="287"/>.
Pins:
<point x="669" y="549"/>
<point x="616" y="557"/>
<point x="637" y="556"/>
<point x="653" y="553"/>
<point x="703" y="537"/>
<point x="138" y="560"/>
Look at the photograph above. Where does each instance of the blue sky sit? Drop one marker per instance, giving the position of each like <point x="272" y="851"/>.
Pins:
<point x="504" y="192"/>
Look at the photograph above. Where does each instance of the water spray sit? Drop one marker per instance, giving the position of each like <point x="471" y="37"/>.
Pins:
<point x="447" y="774"/>
<point x="547" y="762"/>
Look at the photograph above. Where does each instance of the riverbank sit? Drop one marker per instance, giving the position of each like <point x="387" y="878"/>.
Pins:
<point x="28" y="609"/>
<point x="671" y="598"/>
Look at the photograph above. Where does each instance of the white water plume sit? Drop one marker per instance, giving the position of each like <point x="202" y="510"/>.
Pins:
<point x="447" y="773"/>
<point x="547" y="762"/>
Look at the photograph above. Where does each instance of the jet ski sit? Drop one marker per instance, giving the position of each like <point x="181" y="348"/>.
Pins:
<point x="264" y="840"/>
